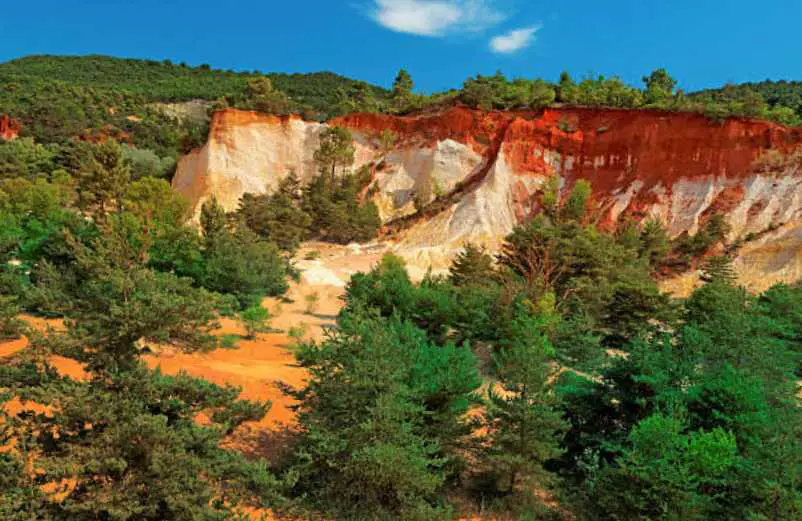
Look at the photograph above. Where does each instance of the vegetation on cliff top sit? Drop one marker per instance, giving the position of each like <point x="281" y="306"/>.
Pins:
<point x="58" y="98"/>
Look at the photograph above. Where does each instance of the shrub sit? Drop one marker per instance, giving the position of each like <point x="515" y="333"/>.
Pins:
<point x="312" y="300"/>
<point x="256" y="320"/>
<point x="10" y="324"/>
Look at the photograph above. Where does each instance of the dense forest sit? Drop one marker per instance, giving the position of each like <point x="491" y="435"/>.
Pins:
<point x="551" y="381"/>
<point x="59" y="98"/>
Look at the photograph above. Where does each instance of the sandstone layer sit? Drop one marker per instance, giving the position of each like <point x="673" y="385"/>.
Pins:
<point x="9" y="128"/>
<point x="482" y="172"/>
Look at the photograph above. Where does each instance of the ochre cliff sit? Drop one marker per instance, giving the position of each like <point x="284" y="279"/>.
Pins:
<point x="9" y="128"/>
<point x="485" y="170"/>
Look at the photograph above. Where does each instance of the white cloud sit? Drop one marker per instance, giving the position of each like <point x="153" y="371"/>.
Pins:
<point x="435" y="17"/>
<point x="514" y="40"/>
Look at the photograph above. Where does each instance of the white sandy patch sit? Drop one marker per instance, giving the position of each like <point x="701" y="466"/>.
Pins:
<point x="315" y="274"/>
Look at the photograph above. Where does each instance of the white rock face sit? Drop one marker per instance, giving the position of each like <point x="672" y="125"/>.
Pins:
<point x="250" y="153"/>
<point x="427" y="171"/>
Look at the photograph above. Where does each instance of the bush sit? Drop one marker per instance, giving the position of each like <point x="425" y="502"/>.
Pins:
<point x="244" y="266"/>
<point x="312" y="300"/>
<point x="256" y="320"/>
<point x="10" y="324"/>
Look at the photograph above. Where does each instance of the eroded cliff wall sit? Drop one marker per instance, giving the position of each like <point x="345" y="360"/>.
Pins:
<point x="482" y="172"/>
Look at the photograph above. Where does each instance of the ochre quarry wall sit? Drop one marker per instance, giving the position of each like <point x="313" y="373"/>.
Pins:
<point x="482" y="173"/>
<point x="9" y="128"/>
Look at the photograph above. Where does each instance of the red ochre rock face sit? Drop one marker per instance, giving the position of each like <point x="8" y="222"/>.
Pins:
<point x="680" y="168"/>
<point x="610" y="148"/>
<point x="9" y="127"/>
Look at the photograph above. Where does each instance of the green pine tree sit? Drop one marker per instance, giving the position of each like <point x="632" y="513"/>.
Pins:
<point x="472" y="265"/>
<point x="522" y="419"/>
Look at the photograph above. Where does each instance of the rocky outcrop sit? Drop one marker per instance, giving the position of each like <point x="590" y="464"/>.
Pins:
<point x="9" y="128"/>
<point x="246" y="152"/>
<point x="480" y="173"/>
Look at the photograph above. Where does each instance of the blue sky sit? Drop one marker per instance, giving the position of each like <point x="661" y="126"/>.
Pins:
<point x="441" y="42"/>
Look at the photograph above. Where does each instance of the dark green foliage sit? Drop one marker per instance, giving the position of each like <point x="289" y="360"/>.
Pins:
<point x="659" y="86"/>
<point x="634" y="302"/>
<point x="10" y="324"/>
<point x="145" y="220"/>
<point x="402" y="90"/>
<point x="213" y="219"/>
<point x="103" y="177"/>
<point x="323" y="209"/>
<point x="243" y="265"/>
<point x="664" y="469"/>
<point x="278" y="217"/>
<point x="152" y="79"/>
<point x="336" y="151"/>
<point x="522" y="420"/>
<point x="598" y="92"/>
<point x="127" y="437"/>
<point x="105" y="245"/>
<point x="587" y="270"/>
<point x="686" y="248"/>
<point x="694" y="413"/>
<point x="261" y="96"/>
<point x="20" y="498"/>
<point x="236" y="261"/>
<point x="654" y="243"/>
<point x="318" y="92"/>
<point x="576" y="204"/>
<point x="132" y="448"/>
<point x="681" y="429"/>
<point x="380" y="416"/>
<point x="155" y="203"/>
<point x="358" y="97"/>
<point x="337" y="213"/>
<point x="612" y="92"/>
<point x="27" y="159"/>
<point x="722" y="324"/>
<point x="526" y="331"/>
<point x="444" y="311"/>
<point x="473" y="265"/>
<point x="115" y="301"/>
<point x="719" y="268"/>
<point x="567" y="90"/>
<point x="779" y="100"/>
<point x="601" y="284"/>
<point x="177" y="250"/>
<point x="32" y="238"/>
<point x="783" y="304"/>
<point x="496" y="92"/>
<point x="386" y="289"/>
<point x="255" y="319"/>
